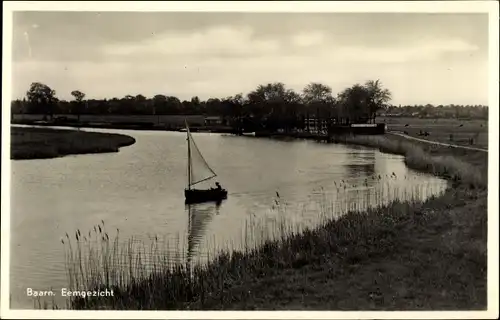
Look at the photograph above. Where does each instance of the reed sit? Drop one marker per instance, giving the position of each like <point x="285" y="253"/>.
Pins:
<point x="143" y="275"/>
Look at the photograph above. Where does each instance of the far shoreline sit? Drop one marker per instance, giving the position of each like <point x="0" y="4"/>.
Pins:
<point x="134" y="127"/>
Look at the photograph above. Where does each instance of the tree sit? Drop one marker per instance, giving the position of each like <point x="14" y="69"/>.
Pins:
<point x="377" y="97"/>
<point x="140" y="105"/>
<point x="267" y="101"/>
<point x="42" y="99"/>
<point x="354" y="104"/>
<point x="361" y="102"/>
<point x="17" y="107"/>
<point x="159" y="104"/>
<point x="78" y="95"/>
<point x="174" y="104"/>
<point x="318" y="99"/>
<point x="140" y="98"/>
<point x="272" y="92"/>
<point x="292" y="110"/>
<point x="293" y="97"/>
<point x="316" y="92"/>
<point x="114" y="106"/>
<point x="232" y="107"/>
<point x="195" y="104"/>
<point x="195" y="101"/>
<point x="214" y="107"/>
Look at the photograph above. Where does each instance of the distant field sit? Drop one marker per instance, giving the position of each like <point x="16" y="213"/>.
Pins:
<point x="451" y="131"/>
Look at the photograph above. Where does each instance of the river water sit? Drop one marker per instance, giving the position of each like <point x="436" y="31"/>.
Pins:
<point x="139" y="190"/>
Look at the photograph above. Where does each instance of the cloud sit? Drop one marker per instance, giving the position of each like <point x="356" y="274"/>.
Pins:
<point x="240" y="42"/>
<point x="408" y="52"/>
<point x="308" y="39"/>
<point x="219" y="77"/>
<point x="215" y="41"/>
<point x="222" y="61"/>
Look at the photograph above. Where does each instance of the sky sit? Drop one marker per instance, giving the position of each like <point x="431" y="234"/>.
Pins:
<point x="420" y="57"/>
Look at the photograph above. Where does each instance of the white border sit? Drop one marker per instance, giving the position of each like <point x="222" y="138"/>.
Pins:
<point x="490" y="7"/>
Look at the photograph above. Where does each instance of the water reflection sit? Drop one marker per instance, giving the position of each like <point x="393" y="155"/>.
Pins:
<point x="360" y="169"/>
<point x="199" y="216"/>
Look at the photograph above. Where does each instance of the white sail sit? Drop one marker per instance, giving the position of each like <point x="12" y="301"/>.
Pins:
<point x="198" y="168"/>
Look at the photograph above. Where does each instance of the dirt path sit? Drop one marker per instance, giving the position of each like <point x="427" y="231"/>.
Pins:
<point x="436" y="142"/>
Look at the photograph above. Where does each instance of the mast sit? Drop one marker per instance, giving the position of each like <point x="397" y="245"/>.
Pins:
<point x="189" y="156"/>
<point x="195" y="179"/>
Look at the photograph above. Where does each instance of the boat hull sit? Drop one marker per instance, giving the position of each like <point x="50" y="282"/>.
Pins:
<point x="197" y="196"/>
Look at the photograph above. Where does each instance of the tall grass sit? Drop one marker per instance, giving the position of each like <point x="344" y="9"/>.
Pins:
<point x="96" y="259"/>
<point x="184" y="286"/>
<point x="145" y="276"/>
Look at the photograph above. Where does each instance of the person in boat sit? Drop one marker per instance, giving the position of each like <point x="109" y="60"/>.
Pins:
<point x="218" y="186"/>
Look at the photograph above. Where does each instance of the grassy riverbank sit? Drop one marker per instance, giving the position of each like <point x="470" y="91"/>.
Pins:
<point x="466" y="132"/>
<point x="402" y="256"/>
<point x="42" y="143"/>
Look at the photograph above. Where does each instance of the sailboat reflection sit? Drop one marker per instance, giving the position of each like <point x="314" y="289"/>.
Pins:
<point x="200" y="215"/>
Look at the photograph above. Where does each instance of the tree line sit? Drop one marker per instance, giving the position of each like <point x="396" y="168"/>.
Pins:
<point x="272" y="103"/>
<point x="357" y="103"/>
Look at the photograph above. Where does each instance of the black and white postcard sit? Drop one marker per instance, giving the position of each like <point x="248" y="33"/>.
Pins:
<point x="319" y="159"/>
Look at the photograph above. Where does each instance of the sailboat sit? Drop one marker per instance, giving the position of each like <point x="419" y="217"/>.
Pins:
<point x="200" y="174"/>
